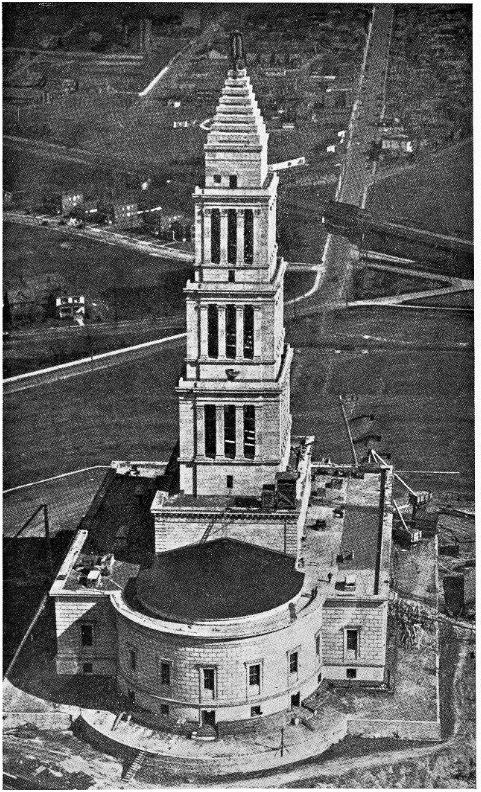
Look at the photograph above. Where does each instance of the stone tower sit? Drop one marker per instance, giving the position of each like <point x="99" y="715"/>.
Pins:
<point x="234" y="401"/>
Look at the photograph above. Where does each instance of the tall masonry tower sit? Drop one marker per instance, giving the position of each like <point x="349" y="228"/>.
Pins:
<point x="234" y="400"/>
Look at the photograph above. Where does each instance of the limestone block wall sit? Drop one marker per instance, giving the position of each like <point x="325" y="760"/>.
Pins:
<point x="370" y="618"/>
<point x="70" y="613"/>
<point x="233" y="697"/>
<point x="279" y="534"/>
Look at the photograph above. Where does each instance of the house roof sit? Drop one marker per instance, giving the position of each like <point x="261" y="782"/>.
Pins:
<point x="220" y="579"/>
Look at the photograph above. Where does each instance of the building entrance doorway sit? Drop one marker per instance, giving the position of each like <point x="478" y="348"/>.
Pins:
<point x="208" y="717"/>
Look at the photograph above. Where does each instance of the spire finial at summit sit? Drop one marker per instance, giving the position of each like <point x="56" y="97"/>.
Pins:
<point x="237" y="54"/>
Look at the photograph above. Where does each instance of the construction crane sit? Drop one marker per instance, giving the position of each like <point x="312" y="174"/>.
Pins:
<point x="352" y="400"/>
<point x="418" y="500"/>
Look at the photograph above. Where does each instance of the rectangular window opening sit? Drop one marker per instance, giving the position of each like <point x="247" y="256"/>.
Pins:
<point x="249" y="431"/>
<point x="231" y="276"/>
<point x="209" y="679"/>
<point x="249" y="332"/>
<point x="212" y="331"/>
<point x="230" y="332"/>
<point x="255" y="675"/>
<point x="165" y="673"/>
<point x="217" y="178"/>
<point x="293" y="663"/>
<point x="215" y="236"/>
<point x="231" y="236"/>
<point x="233" y="182"/>
<point x="229" y="431"/>
<point x="296" y="700"/>
<point x="133" y="660"/>
<point x="352" y="641"/>
<point x="318" y="645"/>
<point x="87" y="634"/>
<point x="248" y="236"/>
<point x="255" y="712"/>
<point x="230" y="482"/>
<point x="351" y="673"/>
<point x="210" y="429"/>
<point x="87" y="668"/>
<point x="164" y="709"/>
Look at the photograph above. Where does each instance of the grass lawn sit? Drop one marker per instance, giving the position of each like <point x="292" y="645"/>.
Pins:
<point x="144" y="284"/>
<point x="368" y="283"/>
<point x="436" y="195"/>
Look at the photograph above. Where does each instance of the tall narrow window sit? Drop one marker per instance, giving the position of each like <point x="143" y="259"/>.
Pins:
<point x="229" y="431"/>
<point x="352" y="643"/>
<point x="254" y="675"/>
<point x="210" y="431"/>
<point x="165" y="673"/>
<point x="215" y="236"/>
<point x="293" y="663"/>
<point x="133" y="660"/>
<point x="209" y="679"/>
<point x="231" y="236"/>
<point x="86" y="634"/>
<point x="212" y="331"/>
<point x="230" y="331"/>
<point x="233" y="182"/>
<point x="249" y="332"/>
<point x="249" y="431"/>
<point x="248" y="236"/>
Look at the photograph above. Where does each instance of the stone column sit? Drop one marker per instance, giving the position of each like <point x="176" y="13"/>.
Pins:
<point x="239" y="331"/>
<point x="239" y="431"/>
<point x="198" y="236"/>
<point x="221" y="314"/>
<point x="207" y="236"/>
<point x="240" y="238"/>
<point x="223" y="237"/>
<point x="258" y="332"/>
<point x="203" y="330"/>
<point x="200" y="429"/>
<point x="219" y="427"/>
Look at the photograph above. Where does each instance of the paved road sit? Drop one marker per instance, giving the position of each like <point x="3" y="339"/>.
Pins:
<point x="357" y="170"/>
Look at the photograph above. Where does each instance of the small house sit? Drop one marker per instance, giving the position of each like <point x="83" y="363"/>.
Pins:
<point x="68" y="306"/>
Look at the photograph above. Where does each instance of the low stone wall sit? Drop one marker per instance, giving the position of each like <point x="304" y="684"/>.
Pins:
<point x="405" y="730"/>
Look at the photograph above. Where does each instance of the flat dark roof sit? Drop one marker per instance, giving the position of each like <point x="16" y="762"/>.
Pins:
<point x="361" y="536"/>
<point x="220" y="579"/>
<point x="119" y="519"/>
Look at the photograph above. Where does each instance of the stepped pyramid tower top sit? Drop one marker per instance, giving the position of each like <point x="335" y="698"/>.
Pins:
<point x="238" y="133"/>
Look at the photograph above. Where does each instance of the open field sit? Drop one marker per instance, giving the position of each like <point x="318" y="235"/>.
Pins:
<point x="368" y="283"/>
<point x="416" y="379"/>
<point x="436" y="195"/>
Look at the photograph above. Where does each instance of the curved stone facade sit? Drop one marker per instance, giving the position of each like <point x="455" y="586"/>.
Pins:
<point x="238" y="652"/>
